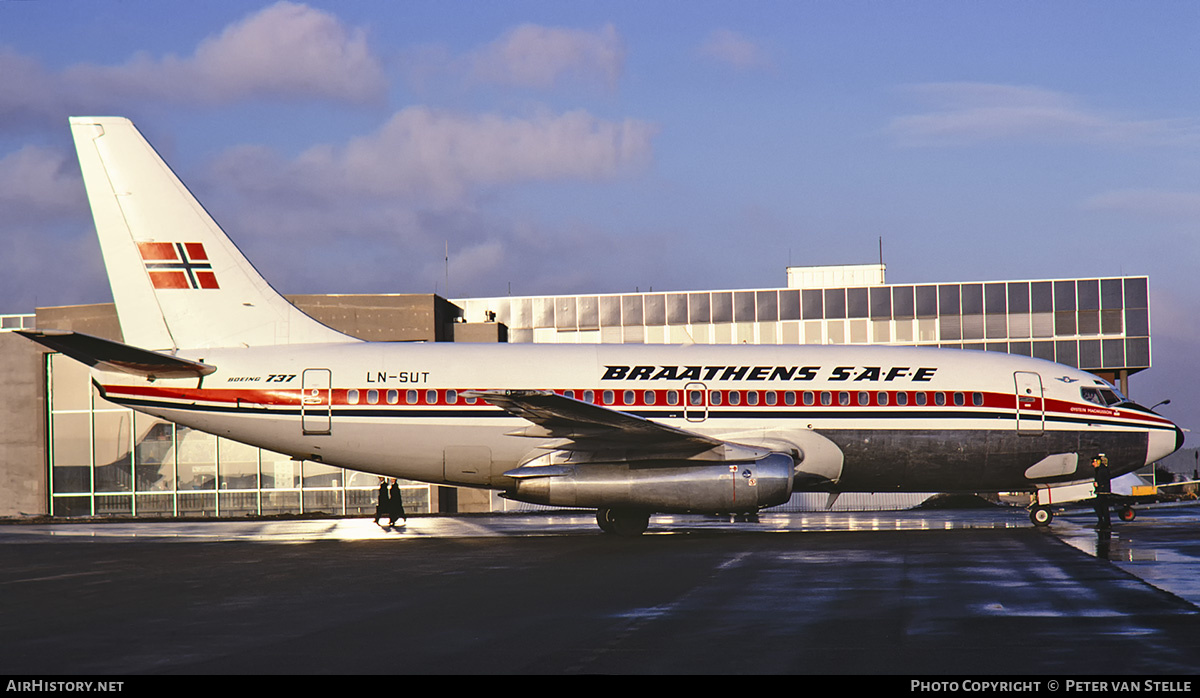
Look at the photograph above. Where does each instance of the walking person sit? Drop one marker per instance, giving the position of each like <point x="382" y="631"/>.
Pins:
<point x="396" y="503"/>
<point x="382" y="505"/>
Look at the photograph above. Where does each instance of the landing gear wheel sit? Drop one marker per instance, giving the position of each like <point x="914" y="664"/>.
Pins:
<point x="604" y="519"/>
<point x="1041" y="516"/>
<point x="623" y="522"/>
<point x="1127" y="513"/>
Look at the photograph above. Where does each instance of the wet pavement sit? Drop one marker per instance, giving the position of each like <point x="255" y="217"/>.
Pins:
<point x="937" y="592"/>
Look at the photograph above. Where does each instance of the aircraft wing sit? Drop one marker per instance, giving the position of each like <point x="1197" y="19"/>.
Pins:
<point x="583" y="426"/>
<point x="115" y="356"/>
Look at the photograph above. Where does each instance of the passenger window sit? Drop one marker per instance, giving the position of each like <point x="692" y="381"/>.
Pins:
<point x="714" y="398"/>
<point x="735" y="397"/>
<point x="902" y="399"/>
<point x="372" y="397"/>
<point x="843" y="398"/>
<point x="393" y="396"/>
<point x="960" y="399"/>
<point x="672" y="397"/>
<point x="451" y="397"/>
<point x="430" y="397"/>
<point x="789" y="397"/>
<point x="589" y="396"/>
<point x="352" y="397"/>
<point x="628" y="398"/>
<point x="977" y="399"/>
<point x="648" y="397"/>
<point x="609" y="397"/>
<point x="411" y="397"/>
<point x="751" y="397"/>
<point x="882" y="399"/>
<point x="864" y="399"/>
<point x="771" y="397"/>
<point x="921" y="399"/>
<point x="939" y="398"/>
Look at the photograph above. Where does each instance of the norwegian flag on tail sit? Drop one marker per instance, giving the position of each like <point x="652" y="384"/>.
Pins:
<point x="178" y="265"/>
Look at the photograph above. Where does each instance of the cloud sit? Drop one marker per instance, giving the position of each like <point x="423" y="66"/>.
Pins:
<point x="285" y="51"/>
<point x="40" y="185"/>
<point x="964" y="113"/>
<point x="536" y="56"/>
<point x="734" y="49"/>
<point x="442" y="158"/>
<point x="379" y="209"/>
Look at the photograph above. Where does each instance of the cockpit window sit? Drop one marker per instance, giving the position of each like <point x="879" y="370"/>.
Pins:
<point x="1105" y="397"/>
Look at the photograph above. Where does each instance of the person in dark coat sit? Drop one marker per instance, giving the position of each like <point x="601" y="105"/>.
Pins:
<point x="396" y="504"/>
<point x="1103" y="489"/>
<point x="382" y="507"/>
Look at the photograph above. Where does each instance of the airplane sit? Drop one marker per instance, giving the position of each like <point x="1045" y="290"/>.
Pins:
<point x="627" y="430"/>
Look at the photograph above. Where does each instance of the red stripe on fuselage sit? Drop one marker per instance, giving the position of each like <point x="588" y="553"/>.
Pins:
<point x="659" y="400"/>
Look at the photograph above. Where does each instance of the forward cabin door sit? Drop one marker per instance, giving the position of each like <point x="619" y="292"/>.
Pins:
<point x="1031" y="408"/>
<point x="316" y="403"/>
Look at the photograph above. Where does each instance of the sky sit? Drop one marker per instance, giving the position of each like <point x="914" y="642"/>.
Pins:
<point x="593" y="147"/>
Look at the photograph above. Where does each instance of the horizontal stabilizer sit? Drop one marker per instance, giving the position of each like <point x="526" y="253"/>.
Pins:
<point x="107" y="354"/>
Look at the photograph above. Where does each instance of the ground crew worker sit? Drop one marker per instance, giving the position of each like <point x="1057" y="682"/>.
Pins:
<point x="1103" y="489"/>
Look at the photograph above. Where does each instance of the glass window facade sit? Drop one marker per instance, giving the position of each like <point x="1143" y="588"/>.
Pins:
<point x="1100" y="324"/>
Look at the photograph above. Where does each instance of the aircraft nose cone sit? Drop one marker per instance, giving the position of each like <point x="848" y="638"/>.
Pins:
<point x="1162" y="443"/>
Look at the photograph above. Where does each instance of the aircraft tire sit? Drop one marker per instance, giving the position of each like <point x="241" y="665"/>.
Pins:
<point x="1041" y="516"/>
<point x="1127" y="513"/>
<point x="604" y="519"/>
<point x="629" y="522"/>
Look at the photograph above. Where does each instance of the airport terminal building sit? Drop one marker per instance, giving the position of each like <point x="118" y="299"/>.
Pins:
<point x="67" y="452"/>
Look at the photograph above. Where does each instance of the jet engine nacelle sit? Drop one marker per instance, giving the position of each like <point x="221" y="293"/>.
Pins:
<point x="675" y="487"/>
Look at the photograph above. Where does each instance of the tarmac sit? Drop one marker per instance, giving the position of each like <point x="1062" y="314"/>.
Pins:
<point x="931" y="593"/>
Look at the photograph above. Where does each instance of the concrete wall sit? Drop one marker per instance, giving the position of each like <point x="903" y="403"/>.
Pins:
<point x="377" y="318"/>
<point x="477" y="332"/>
<point x="23" y="466"/>
<point x="382" y="318"/>
<point x="98" y="320"/>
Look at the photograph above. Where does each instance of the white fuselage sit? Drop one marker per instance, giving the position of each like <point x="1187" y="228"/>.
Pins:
<point x="904" y="419"/>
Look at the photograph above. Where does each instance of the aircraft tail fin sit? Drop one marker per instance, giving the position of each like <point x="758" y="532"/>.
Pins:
<point x="178" y="281"/>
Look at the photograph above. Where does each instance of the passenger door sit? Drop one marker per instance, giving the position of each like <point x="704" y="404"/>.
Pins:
<point x="316" y="401"/>
<point x="1031" y="409"/>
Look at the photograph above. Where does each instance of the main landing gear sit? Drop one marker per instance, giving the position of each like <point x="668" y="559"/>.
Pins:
<point x="623" y="522"/>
